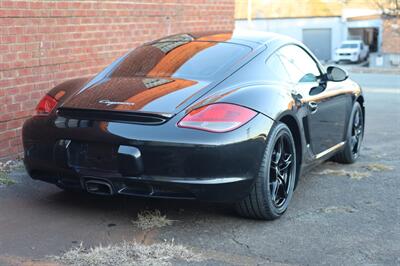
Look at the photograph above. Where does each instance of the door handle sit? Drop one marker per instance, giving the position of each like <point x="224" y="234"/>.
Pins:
<point x="313" y="107"/>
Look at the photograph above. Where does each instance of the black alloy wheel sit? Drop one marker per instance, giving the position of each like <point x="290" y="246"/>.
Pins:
<point x="355" y="135"/>
<point x="273" y="187"/>
<point x="357" y="132"/>
<point x="281" y="172"/>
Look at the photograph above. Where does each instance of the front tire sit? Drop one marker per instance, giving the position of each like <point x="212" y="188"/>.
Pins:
<point x="273" y="188"/>
<point x="355" y="134"/>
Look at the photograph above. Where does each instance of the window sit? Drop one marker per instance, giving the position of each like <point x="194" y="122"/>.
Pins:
<point x="276" y="70"/>
<point x="216" y="58"/>
<point x="192" y="60"/>
<point x="349" y="45"/>
<point x="299" y="64"/>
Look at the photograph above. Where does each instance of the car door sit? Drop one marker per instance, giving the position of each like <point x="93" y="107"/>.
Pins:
<point x="325" y="117"/>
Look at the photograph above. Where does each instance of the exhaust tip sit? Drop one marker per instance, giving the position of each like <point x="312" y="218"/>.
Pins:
<point x="99" y="187"/>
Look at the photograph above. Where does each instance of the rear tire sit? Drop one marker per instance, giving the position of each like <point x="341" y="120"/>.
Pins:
<point x="355" y="134"/>
<point x="273" y="188"/>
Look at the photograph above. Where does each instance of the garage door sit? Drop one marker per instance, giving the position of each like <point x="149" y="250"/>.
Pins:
<point x="319" y="42"/>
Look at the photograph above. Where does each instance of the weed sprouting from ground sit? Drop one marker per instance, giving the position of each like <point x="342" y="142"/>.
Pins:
<point x="128" y="253"/>
<point x="5" y="169"/>
<point x="151" y="219"/>
<point x="5" y="180"/>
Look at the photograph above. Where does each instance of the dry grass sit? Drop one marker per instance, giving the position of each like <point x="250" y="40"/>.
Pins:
<point x="356" y="175"/>
<point x="377" y="167"/>
<point x="340" y="172"/>
<point x="8" y="166"/>
<point x="128" y="254"/>
<point x="151" y="219"/>
<point x="338" y="209"/>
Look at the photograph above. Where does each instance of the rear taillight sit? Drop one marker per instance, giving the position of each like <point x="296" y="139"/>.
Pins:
<point x="46" y="105"/>
<point x="219" y="117"/>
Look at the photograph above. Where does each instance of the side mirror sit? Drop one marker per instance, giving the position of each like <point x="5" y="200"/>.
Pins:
<point x="336" y="74"/>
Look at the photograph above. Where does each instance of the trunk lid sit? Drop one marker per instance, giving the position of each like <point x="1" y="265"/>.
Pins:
<point x="151" y="95"/>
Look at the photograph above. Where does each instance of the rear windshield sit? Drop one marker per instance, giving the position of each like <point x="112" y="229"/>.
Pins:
<point x="349" y="45"/>
<point x="191" y="60"/>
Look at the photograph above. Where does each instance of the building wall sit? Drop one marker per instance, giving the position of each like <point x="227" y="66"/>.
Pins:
<point x="391" y="36"/>
<point x="43" y="43"/>
<point x="293" y="27"/>
<point x="303" y="8"/>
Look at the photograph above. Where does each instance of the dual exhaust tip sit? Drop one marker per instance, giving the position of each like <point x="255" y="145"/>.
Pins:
<point x="99" y="187"/>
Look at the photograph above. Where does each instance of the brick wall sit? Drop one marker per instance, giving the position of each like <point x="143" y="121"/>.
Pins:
<point x="391" y="36"/>
<point x="43" y="43"/>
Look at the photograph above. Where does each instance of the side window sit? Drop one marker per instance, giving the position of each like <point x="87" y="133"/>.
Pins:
<point x="299" y="64"/>
<point x="362" y="46"/>
<point x="276" y="71"/>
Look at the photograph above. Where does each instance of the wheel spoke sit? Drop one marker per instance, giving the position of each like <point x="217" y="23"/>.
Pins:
<point x="353" y="141"/>
<point x="284" y="186"/>
<point x="274" y="190"/>
<point x="277" y="154"/>
<point x="285" y="163"/>
<point x="274" y="165"/>
<point x="279" y="150"/>
<point x="359" y="136"/>
<point x="281" y="177"/>
<point x="359" y="131"/>
<point x="356" y="137"/>
<point x="281" y="190"/>
<point x="356" y="119"/>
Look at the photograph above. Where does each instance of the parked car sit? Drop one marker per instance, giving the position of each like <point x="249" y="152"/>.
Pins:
<point x="353" y="51"/>
<point x="223" y="117"/>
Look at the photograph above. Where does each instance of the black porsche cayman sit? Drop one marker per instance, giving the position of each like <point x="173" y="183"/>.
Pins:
<point x="224" y="117"/>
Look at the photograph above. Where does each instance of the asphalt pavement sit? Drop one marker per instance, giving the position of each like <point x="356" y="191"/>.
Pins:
<point x="339" y="215"/>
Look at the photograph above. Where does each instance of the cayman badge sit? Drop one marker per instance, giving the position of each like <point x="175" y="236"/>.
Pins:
<point x="109" y="103"/>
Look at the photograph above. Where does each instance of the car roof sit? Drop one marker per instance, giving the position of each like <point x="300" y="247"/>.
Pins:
<point x="244" y="37"/>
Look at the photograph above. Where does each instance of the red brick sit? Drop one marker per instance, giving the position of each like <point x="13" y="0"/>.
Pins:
<point x="391" y="36"/>
<point x="4" y="145"/>
<point x="7" y="135"/>
<point x="43" y="43"/>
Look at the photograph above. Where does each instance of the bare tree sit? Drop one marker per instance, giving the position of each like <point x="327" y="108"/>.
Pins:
<point x="389" y="8"/>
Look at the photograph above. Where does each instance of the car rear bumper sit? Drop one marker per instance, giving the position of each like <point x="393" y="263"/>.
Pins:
<point x="224" y="189"/>
<point x="151" y="161"/>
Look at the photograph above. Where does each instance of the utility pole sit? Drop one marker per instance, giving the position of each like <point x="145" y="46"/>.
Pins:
<point x="249" y="11"/>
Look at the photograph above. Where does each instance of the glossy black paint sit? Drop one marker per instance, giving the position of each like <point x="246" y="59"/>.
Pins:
<point x="122" y="129"/>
